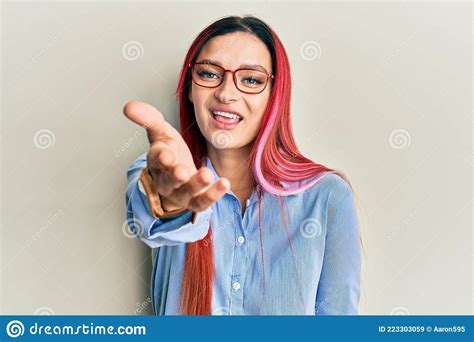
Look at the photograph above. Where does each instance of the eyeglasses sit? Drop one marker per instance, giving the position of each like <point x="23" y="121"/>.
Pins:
<point x="249" y="81"/>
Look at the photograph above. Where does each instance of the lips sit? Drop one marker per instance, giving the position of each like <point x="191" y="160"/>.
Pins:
<point x="222" y="122"/>
<point x="227" y="110"/>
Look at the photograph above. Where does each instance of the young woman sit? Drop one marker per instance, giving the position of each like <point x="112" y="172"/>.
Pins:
<point x="239" y="221"/>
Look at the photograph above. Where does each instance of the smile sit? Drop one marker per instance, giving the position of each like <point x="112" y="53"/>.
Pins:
<point x="224" y="120"/>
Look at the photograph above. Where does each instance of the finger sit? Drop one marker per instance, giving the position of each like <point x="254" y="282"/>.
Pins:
<point x="164" y="158"/>
<point x="203" y="201"/>
<point x="147" y="116"/>
<point x="165" y="184"/>
<point x="196" y="184"/>
<point x="166" y="173"/>
<point x="168" y="182"/>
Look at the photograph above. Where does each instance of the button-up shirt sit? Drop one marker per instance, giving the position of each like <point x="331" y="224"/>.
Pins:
<point x="317" y="274"/>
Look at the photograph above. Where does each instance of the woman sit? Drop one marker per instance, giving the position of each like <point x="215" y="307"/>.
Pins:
<point x="240" y="222"/>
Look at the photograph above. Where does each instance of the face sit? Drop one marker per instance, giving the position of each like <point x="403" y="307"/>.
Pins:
<point x="231" y="51"/>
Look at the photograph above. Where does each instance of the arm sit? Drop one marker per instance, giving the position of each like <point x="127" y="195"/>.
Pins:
<point x="159" y="232"/>
<point x="339" y="285"/>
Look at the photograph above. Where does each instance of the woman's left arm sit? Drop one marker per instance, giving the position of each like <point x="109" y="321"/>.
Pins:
<point x="339" y="285"/>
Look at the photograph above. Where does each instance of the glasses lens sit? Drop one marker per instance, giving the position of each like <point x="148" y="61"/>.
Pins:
<point x="208" y="75"/>
<point x="252" y="81"/>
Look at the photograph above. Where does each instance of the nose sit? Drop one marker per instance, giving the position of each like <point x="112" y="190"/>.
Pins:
<point x="227" y="91"/>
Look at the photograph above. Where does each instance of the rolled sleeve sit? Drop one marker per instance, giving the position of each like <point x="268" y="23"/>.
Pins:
<point x="159" y="232"/>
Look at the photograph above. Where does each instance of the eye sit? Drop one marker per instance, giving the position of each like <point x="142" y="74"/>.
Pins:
<point x="252" y="81"/>
<point x="207" y="74"/>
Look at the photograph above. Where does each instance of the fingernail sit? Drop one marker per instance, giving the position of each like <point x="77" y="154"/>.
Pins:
<point x="204" y="180"/>
<point x="223" y="184"/>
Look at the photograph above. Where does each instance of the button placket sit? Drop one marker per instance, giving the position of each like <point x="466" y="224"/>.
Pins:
<point x="238" y="268"/>
<point x="236" y="286"/>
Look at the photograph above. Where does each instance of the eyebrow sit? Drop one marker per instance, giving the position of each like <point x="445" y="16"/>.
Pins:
<point x="251" y="66"/>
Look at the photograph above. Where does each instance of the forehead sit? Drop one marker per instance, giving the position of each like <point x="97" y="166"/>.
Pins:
<point x="235" y="49"/>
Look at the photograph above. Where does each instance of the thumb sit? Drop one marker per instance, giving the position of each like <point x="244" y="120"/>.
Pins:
<point x="148" y="117"/>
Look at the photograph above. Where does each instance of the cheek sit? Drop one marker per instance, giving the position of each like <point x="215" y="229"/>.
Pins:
<point x="257" y="108"/>
<point x="254" y="121"/>
<point x="202" y="115"/>
<point x="203" y="121"/>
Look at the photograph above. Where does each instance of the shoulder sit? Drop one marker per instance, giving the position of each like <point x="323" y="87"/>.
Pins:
<point x="330" y="186"/>
<point x="327" y="192"/>
<point x="330" y="195"/>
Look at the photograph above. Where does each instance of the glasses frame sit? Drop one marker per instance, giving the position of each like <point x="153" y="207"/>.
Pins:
<point x="191" y="66"/>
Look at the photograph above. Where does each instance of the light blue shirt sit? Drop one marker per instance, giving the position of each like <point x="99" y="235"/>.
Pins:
<point x="324" y="232"/>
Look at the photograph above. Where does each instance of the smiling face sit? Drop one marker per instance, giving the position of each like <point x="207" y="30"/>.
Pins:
<point x="231" y="51"/>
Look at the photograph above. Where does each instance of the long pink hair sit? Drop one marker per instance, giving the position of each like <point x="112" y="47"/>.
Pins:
<point x="274" y="156"/>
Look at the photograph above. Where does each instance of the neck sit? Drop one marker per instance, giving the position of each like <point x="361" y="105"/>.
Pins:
<point x="235" y="165"/>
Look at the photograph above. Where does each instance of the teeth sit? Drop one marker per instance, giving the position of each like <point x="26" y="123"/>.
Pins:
<point x="227" y="115"/>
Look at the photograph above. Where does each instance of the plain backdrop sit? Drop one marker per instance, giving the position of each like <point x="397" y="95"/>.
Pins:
<point x="381" y="91"/>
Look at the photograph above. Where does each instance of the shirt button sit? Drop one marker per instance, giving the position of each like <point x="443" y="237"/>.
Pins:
<point x="247" y="203"/>
<point x="241" y="239"/>
<point x="236" y="286"/>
